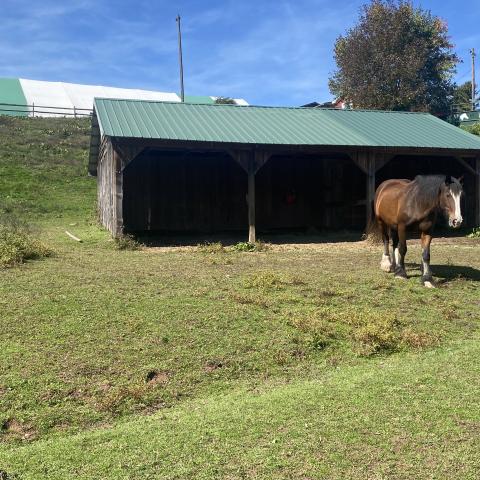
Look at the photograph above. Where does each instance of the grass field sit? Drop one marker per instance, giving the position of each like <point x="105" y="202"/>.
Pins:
<point x="299" y="361"/>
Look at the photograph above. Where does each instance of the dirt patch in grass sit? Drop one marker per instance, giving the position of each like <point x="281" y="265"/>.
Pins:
<point x="12" y="429"/>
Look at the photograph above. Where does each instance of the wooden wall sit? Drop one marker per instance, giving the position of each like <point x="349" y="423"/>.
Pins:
<point x="180" y="192"/>
<point x="310" y="192"/>
<point x="184" y="192"/>
<point x="106" y="190"/>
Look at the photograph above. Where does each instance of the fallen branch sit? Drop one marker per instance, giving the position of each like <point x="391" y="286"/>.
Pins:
<point x="73" y="237"/>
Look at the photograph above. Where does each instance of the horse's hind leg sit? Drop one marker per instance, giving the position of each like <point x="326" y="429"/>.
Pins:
<point x="386" y="263"/>
<point x="399" y="250"/>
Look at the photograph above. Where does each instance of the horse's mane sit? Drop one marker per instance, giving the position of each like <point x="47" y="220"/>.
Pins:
<point x="424" y="190"/>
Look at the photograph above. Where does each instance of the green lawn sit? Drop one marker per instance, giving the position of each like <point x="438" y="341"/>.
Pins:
<point x="299" y="361"/>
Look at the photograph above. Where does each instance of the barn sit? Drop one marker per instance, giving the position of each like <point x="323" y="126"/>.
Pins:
<point x="195" y="168"/>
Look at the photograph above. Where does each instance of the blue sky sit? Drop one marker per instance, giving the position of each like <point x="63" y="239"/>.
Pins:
<point x="268" y="52"/>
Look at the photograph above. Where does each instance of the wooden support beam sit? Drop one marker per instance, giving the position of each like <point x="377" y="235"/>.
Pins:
<point x="466" y="165"/>
<point x="251" y="162"/>
<point x="252" y="238"/>
<point x="369" y="164"/>
<point x="370" y="186"/>
<point x="117" y="183"/>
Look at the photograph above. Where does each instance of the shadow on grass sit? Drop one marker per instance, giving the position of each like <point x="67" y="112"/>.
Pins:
<point x="183" y="239"/>
<point x="447" y="273"/>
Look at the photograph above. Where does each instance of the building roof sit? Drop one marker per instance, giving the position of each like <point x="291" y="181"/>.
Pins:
<point x="60" y="98"/>
<point x="278" y="125"/>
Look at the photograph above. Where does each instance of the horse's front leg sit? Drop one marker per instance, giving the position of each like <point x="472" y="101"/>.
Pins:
<point x="399" y="251"/>
<point x="427" y="279"/>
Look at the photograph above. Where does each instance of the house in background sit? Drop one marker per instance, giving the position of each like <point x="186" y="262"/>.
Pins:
<point x="468" y="119"/>
<point x="338" y="103"/>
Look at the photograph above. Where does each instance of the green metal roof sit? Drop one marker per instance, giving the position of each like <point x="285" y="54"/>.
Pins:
<point x="199" y="99"/>
<point x="277" y="125"/>
<point x="11" y="93"/>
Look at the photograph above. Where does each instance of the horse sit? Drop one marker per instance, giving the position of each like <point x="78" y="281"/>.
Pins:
<point x="401" y="205"/>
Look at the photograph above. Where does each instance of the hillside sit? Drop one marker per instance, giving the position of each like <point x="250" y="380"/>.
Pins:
<point x="42" y="167"/>
<point x="297" y="361"/>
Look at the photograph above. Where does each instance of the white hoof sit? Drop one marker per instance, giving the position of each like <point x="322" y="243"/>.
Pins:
<point x="386" y="264"/>
<point x="428" y="284"/>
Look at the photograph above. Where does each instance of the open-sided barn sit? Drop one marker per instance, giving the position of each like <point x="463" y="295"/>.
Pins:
<point x="174" y="167"/>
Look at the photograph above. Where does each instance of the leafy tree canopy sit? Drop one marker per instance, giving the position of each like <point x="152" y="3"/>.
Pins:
<point x="225" y="100"/>
<point x="398" y="57"/>
<point x="462" y="97"/>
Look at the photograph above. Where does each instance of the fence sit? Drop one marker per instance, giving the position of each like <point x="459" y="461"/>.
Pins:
<point x="41" y="110"/>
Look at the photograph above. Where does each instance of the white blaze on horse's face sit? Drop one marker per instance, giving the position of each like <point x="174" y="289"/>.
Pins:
<point x="452" y="203"/>
<point x="457" y="220"/>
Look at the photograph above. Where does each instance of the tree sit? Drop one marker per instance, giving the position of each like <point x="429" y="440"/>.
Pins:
<point x="462" y="97"/>
<point x="225" y="100"/>
<point x="398" y="57"/>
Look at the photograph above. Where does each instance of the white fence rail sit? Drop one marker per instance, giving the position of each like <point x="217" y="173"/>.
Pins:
<point x="44" y="110"/>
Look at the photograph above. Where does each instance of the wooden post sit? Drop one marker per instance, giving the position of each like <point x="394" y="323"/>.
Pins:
<point x="251" y="201"/>
<point x="370" y="186"/>
<point x="117" y="184"/>
<point x="251" y="162"/>
<point x="366" y="161"/>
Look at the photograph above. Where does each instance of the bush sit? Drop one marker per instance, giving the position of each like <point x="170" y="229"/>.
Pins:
<point x="475" y="233"/>
<point x="376" y="334"/>
<point x="474" y="129"/>
<point x="127" y="242"/>
<point x="211" y="247"/>
<point x="317" y="331"/>
<point x="18" y="245"/>
<point x="258" y="246"/>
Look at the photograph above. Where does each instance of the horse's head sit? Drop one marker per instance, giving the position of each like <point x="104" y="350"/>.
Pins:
<point x="450" y="194"/>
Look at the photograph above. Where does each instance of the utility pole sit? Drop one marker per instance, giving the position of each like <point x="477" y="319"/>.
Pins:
<point x="472" y="52"/>
<point x="180" y="58"/>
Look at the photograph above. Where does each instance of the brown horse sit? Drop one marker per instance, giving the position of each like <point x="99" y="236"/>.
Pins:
<point x="402" y="205"/>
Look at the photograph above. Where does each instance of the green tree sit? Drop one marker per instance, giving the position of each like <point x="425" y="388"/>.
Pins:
<point x="462" y="97"/>
<point x="225" y="100"/>
<point x="397" y="57"/>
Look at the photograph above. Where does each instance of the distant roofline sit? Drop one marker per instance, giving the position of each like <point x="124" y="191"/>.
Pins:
<point x="260" y="106"/>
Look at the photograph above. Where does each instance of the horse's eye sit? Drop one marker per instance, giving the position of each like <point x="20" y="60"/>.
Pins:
<point x="448" y="195"/>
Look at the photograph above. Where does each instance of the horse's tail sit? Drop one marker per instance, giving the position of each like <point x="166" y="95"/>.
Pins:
<point x="373" y="232"/>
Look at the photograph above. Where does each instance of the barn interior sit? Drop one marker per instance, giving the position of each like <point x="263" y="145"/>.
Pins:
<point x="194" y="192"/>
<point x="206" y="192"/>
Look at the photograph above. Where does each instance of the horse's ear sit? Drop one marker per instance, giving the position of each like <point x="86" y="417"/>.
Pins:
<point x="460" y="179"/>
<point x="448" y="180"/>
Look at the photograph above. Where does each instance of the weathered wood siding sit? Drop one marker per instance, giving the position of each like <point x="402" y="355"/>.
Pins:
<point x="167" y="191"/>
<point x="306" y="192"/>
<point x="184" y="192"/>
<point x="109" y="191"/>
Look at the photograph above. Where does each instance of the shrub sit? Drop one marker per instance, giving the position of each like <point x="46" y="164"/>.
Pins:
<point x="378" y="332"/>
<point x="17" y="244"/>
<point x="475" y="233"/>
<point x="127" y="242"/>
<point x="258" y="246"/>
<point x="244" y="247"/>
<point x="474" y="129"/>
<point x="265" y="281"/>
<point x="318" y="332"/>
<point x="213" y="247"/>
